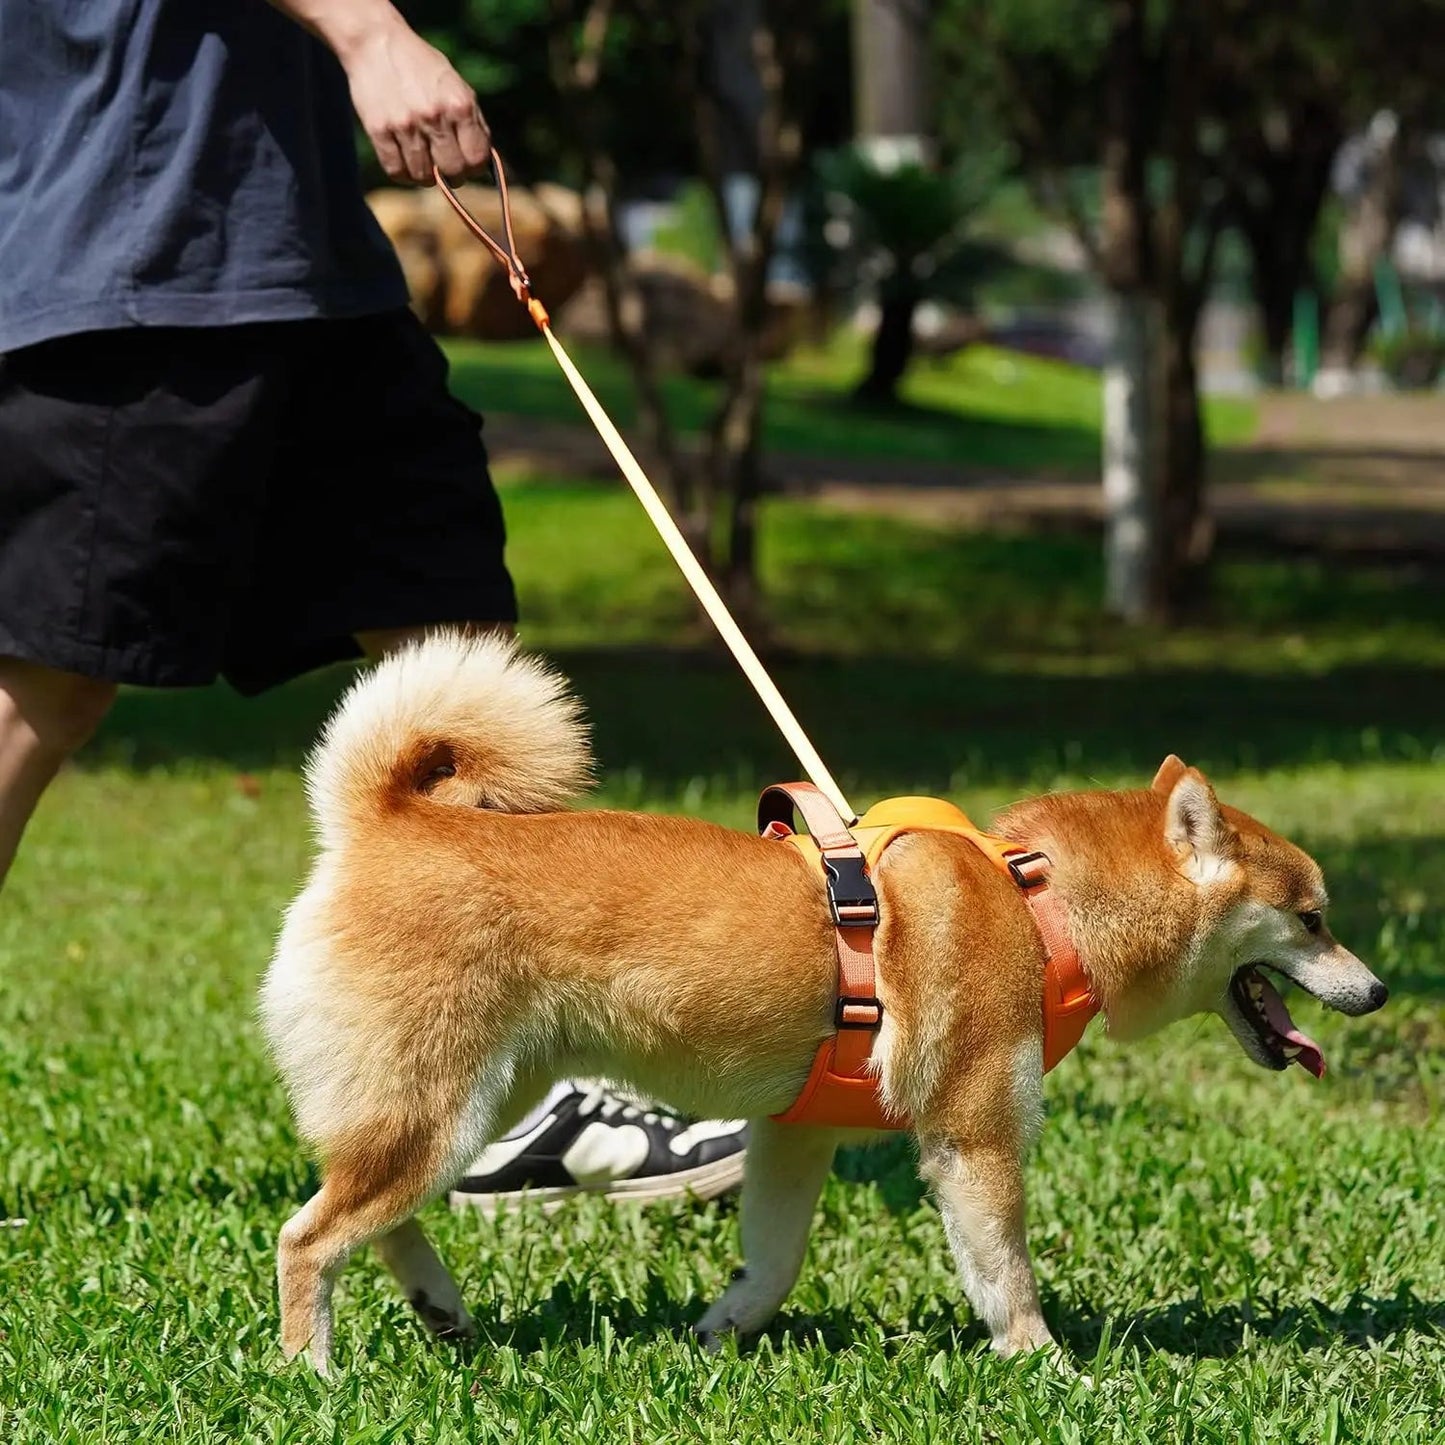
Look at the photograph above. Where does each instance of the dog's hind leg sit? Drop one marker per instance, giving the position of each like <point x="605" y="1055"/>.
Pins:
<point x="981" y="1195"/>
<point x="784" y="1173"/>
<point x="424" y="1280"/>
<point x="371" y="1189"/>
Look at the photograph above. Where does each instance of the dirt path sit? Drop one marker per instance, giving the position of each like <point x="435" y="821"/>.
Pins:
<point x="1360" y="477"/>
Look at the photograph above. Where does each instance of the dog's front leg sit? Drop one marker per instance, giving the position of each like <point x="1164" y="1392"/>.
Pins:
<point x="785" y="1170"/>
<point x="980" y="1192"/>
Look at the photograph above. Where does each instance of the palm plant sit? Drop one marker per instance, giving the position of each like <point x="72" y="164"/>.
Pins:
<point x="901" y="235"/>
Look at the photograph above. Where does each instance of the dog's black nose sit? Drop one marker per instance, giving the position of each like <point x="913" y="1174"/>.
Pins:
<point x="1378" y="994"/>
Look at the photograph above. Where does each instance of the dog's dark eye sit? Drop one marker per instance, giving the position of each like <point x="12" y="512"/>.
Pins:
<point x="1311" y="920"/>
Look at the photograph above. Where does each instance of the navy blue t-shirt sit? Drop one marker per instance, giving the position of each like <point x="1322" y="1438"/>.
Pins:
<point x="177" y="163"/>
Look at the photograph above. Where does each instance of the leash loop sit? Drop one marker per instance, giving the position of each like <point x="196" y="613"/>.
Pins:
<point x="506" y="256"/>
<point x="656" y="509"/>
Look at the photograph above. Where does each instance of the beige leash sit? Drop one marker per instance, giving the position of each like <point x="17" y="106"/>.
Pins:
<point x="637" y="479"/>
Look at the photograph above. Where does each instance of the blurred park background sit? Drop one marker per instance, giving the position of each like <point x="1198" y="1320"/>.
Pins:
<point x="833" y="248"/>
<point x="1051" y="385"/>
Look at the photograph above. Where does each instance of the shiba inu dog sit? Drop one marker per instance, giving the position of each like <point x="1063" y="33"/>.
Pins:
<point x="463" y="941"/>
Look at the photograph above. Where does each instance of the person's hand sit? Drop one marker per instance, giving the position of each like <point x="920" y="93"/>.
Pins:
<point x="415" y="107"/>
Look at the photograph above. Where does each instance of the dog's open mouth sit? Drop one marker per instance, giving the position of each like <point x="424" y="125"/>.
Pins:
<point x="1263" y="1010"/>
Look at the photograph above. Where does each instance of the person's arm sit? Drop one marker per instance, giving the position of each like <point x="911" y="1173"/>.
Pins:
<point x="415" y="107"/>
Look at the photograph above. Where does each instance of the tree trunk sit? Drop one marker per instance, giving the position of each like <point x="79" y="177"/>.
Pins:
<point x="891" y="73"/>
<point x="1277" y="277"/>
<point x="780" y="46"/>
<point x="576" y="71"/>
<point x="892" y="345"/>
<point x="735" y="465"/>
<point x="1276" y="194"/>
<point x="1131" y="530"/>
<point x="1131" y="522"/>
<point x="1187" y="532"/>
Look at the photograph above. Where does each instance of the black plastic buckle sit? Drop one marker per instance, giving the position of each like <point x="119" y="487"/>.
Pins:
<point x="852" y="899"/>
<point x="1020" y="869"/>
<point x="841" y="1019"/>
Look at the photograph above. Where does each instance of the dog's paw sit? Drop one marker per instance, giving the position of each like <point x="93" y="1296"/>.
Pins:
<point x="718" y="1323"/>
<point x="714" y="1328"/>
<point x="710" y="1340"/>
<point x="446" y="1322"/>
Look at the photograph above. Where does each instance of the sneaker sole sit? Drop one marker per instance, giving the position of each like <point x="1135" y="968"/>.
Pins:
<point x="706" y="1181"/>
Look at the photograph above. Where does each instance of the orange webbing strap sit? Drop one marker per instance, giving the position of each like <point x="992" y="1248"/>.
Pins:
<point x="839" y="1091"/>
<point x="1069" y="1002"/>
<point x="646" y="493"/>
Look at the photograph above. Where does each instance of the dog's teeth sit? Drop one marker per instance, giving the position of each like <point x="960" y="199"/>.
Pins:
<point x="1291" y="1051"/>
<point x="1256" y="989"/>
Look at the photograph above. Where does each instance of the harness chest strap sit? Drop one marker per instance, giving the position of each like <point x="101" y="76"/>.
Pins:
<point x="839" y="1090"/>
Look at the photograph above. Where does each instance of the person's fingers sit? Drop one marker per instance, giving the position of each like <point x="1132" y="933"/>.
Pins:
<point x="388" y="153"/>
<point x="417" y="155"/>
<point x="474" y="139"/>
<point x="446" y="152"/>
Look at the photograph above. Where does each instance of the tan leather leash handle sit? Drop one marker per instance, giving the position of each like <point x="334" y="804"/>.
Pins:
<point x="653" y="504"/>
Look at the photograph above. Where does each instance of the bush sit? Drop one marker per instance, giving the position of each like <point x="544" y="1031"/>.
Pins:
<point x="1413" y="359"/>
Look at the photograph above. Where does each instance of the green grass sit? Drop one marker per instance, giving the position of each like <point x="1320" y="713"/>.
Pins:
<point x="979" y="409"/>
<point x="1235" y="1256"/>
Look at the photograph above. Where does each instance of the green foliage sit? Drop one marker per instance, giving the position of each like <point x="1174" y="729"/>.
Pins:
<point x="505" y="49"/>
<point x="1414" y="359"/>
<point x="1025" y="72"/>
<point x="1231" y="1255"/>
<point x="906" y="229"/>
<point x="693" y="230"/>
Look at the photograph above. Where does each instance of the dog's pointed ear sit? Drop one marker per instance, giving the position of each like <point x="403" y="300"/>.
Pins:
<point x="1170" y="771"/>
<point x="1195" y="828"/>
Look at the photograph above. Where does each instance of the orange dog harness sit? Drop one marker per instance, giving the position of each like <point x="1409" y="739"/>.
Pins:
<point x="840" y="1091"/>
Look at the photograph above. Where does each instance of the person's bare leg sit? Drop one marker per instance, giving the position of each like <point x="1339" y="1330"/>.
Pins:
<point x="45" y="715"/>
<point x="382" y="640"/>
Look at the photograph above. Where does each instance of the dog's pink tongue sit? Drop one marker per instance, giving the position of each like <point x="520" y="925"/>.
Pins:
<point x="1309" y="1057"/>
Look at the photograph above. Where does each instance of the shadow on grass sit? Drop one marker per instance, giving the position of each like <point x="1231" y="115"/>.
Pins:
<point x="1325" y="467"/>
<point x="674" y="717"/>
<point x="573" y="1315"/>
<point x="1192" y="1327"/>
<point x="819" y="425"/>
<point x="799" y="419"/>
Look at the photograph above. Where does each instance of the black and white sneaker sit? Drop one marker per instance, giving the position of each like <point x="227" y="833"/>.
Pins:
<point x="589" y="1141"/>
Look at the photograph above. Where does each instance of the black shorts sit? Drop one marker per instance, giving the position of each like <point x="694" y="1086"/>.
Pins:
<point x="178" y="503"/>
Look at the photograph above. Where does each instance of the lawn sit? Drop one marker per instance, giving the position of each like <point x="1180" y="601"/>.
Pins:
<point x="980" y="408"/>
<point x="1236" y="1256"/>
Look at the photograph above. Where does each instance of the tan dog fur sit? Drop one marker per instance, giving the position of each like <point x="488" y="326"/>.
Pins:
<point x="461" y="944"/>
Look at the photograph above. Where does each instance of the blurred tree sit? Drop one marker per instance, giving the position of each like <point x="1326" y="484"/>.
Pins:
<point x="1075" y="84"/>
<point x="622" y="98"/>
<point x="1279" y="99"/>
<point x="1286" y="89"/>
<point x="1198" y="114"/>
<point x="900" y="234"/>
<point x="743" y="77"/>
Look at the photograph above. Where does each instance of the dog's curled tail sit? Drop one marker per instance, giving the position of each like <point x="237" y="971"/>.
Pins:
<point x="469" y="720"/>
